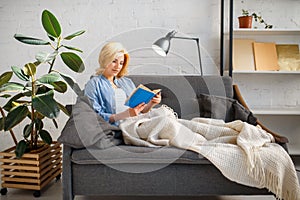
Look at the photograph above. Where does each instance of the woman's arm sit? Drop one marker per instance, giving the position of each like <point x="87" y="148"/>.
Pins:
<point x="154" y="101"/>
<point x="130" y="112"/>
<point x="99" y="103"/>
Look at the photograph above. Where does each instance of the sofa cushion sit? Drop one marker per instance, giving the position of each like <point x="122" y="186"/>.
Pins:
<point x="86" y="128"/>
<point x="227" y="109"/>
<point x="132" y="154"/>
<point x="180" y="92"/>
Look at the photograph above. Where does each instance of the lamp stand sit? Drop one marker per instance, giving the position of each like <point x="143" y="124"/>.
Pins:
<point x="198" y="48"/>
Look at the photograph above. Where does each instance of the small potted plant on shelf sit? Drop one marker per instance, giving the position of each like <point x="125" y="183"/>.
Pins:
<point x="245" y="21"/>
<point x="31" y="101"/>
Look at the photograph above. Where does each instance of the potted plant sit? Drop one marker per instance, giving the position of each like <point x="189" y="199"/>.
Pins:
<point x="32" y="98"/>
<point x="245" y="21"/>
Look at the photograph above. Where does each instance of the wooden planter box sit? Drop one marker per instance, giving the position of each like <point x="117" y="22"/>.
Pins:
<point x="33" y="171"/>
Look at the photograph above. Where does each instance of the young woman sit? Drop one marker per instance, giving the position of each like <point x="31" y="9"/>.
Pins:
<point x="109" y="89"/>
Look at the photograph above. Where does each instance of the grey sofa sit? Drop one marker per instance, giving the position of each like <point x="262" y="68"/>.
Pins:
<point x="124" y="170"/>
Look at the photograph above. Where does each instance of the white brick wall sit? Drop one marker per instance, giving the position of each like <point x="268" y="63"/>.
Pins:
<point x="135" y="23"/>
<point x="283" y="14"/>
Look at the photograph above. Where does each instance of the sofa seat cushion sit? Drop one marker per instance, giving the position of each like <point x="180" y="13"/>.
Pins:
<point x="126" y="154"/>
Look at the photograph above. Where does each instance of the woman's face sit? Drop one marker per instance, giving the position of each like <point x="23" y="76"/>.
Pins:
<point x="113" y="68"/>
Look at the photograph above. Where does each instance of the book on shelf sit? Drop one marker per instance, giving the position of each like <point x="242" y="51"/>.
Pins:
<point x="288" y="57"/>
<point x="265" y="56"/>
<point x="243" y="58"/>
<point x="139" y="95"/>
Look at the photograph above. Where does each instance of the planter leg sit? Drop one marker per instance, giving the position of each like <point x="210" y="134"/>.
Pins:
<point x="58" y="177"/>
<point x="37" y="193"/>
<point x="3" y="191"/>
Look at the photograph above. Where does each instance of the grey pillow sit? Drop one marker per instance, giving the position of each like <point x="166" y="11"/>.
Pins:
<point x="228" y="109"/>
<point x="85" y="128"/>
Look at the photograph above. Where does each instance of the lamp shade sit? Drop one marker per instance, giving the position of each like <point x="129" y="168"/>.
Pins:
<point x="162" y="46"/>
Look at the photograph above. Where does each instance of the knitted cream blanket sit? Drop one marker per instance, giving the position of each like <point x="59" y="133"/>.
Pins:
<point x="244" y="153"/>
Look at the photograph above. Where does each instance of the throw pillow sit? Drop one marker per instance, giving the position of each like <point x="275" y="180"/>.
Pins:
<point x="227" y="109"/>
<point x="85" y="128"/>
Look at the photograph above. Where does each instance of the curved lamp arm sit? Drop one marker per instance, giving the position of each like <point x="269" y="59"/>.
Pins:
<point x="162" y="46"/>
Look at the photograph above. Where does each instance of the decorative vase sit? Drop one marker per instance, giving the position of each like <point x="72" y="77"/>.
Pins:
<point x="245" y="21"/>
<point x="34" y="170"/>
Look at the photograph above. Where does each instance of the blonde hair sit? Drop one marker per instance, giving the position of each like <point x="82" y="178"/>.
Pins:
<point x="108" y="53"/>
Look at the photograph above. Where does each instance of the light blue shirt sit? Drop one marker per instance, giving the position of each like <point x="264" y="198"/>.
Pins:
<point x="102" y="95"/>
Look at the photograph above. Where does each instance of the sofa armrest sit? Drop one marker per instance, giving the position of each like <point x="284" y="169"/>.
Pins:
<point x="238" y="96"/>
<point x="67" y="173"/>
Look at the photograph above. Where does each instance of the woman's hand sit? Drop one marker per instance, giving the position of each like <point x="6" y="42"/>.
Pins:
<point x="131" y="112"/>
<point x="156" y="99"/>
<point x="136" y="110"/>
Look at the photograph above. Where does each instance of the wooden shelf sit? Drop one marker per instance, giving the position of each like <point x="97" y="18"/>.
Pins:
<point x="280" y="117"/>
<point x="276" y="110"/>
<point x="268" y="32"/>
<point x="293" y="149"/>
<point x="266" y="72"/>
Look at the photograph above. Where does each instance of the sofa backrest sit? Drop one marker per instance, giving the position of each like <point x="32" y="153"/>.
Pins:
<point x="181" y="92"/>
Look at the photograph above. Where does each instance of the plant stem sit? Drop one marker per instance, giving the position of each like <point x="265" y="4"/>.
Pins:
<point x="10" y="130"/>
<point x="51" y="65"/>
<point x="56" y="49"/>
<point x="33" y="130"/>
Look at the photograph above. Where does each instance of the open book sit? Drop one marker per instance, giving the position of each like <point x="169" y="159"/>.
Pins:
<point x="139" y="95"/>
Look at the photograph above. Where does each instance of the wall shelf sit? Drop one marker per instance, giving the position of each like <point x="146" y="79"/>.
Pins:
<point x="276" y="110"/>
<point x="266" y="72"/>
<point x="277" y="88"/>
<point x="269" y="32"/>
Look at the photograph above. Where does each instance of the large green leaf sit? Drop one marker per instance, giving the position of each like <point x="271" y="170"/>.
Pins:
<point x="72" y="48"/>
<point x="46" y="105"/>
<point x="8" y="106"/>
<point x="27" y="130"/>
<point x="5" y="77"/>
<point x="44" y="57"/>
<point x="73" y="61"/>
<point x="30" y="40"/>
<point x="38" y="124"/>
<point x="49" y="78"/>
<point x="12" y="87"/>
<point x="20" y="73"/>
<point x="51" y="38"/>
<point x="51" y="24"/>
<point x="45" y="135"/>
<point x="37" y="63"/>
<point x="69" y="37"/>
<point x="15" y="116"/>
<point x="5" y="95"/>
<point x="42" y="89"/>
<point x="21" y="148"/>
<point x="60" y="86"/>
<point x="63" y="108"/>
<point x="72" y="84"/>
<point x="49" y="86"/>
<point x="2" y="123"/>
<point x="29" y="69"/>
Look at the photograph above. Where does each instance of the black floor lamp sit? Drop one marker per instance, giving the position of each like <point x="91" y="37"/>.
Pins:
<point x="162" y="45"/>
